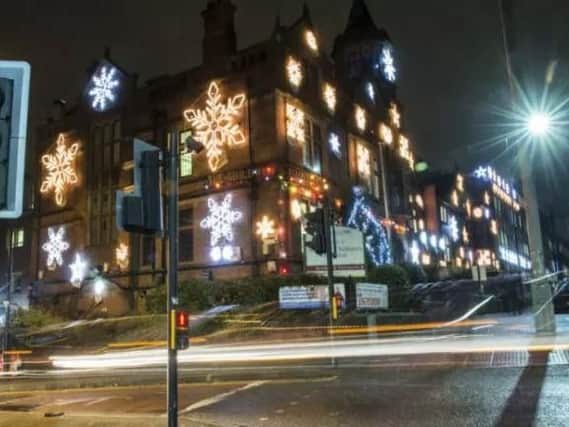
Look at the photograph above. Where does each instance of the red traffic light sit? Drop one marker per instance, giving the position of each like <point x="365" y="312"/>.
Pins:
<point x="182" y="319"/>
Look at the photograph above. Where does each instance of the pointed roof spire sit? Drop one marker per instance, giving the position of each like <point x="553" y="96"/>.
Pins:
<point x="360" y="16"/>
<point x="306" y="13"/>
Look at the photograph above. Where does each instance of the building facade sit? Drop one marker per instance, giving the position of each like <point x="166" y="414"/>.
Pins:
<point x="284" y="126"/>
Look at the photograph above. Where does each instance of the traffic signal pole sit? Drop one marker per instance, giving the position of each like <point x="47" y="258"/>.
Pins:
<point x="172" y="281"/>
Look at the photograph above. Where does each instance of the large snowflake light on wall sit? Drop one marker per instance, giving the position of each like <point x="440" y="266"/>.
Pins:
<point x="329" y="94"/>
<point x="294" y="72"/>
<point x="216" y="126"/>
<point x="453" y="228"/>
<point x="335" y="145"/>
<point x="386" y="133"/>
<point x="54" y="247"/>
<point x="394" y="115"/>
<point x="220" y="220"/>
<point x="388" y="64"/>
<point x="60" y="168"/>
<point x="103" y="88"/>
<point x="364" y="164"/>
<point x="295" y="123"/>
<point x="361" y="119"/>
<point x="265" y="228"/>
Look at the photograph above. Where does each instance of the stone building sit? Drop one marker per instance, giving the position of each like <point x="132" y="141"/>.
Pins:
<point x="284" y="126"/>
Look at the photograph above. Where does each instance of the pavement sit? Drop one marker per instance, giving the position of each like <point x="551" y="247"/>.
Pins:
<point x="442" y="396"/>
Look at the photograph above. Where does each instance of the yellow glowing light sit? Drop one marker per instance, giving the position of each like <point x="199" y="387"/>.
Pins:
<point x="419" y="200"/>
<point x="60" y="168"/>
<point x="404" y="150"/>
<point x="468" y="207"/>
<point x="486" y="198"/>
<point x="295" y="123"/>
<point x="295" y="209"/>
<point x="361" y="119"/>
<point x="454" y="198"/>
<point x="265" y="228"/>
<point x="294" y="72"/>
<point x="458" y="262"/>
<point x="395" y="116"/>
<point x="425" y="259"/>
<point x="461" y="252"/>
<point x="364" y="167"/>
<point x="477" y="212"/>
<point x="465" y="236"/>
<point x="386" y="133"/>
<point x="217" y="126"/>
<point x="421" y="224"/>
<point x="484" y="258"/>
<point x="121" y="256"/>
<point x="460" y="182"/>
<point x="494" y="226"/>
<point x="311" y="40"/>
<point x="329" y="94"/>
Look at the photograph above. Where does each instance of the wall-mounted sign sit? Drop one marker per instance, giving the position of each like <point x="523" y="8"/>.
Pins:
<point x="372" y="296"/>
<point x="309" y="297"/>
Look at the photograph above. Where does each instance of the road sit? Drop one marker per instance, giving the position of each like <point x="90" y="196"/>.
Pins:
<point x="442" y="396"/>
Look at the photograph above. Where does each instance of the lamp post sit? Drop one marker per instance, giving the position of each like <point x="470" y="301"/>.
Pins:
<point x="538" y="125"/>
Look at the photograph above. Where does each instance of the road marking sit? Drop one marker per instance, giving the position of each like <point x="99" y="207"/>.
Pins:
<point x="220" y="397"/>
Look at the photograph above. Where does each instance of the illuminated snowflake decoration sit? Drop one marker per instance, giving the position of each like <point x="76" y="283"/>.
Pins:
<point x="360" y="116"/>
<point x="311" y="40"/>
<point x="453" y="228"/>
<point x="295" y="123"/>
<point x="294" y="72"/>
<point x="363" y="157"/>
<point x="60" y="170"/>
<point x="216" y="126"/>
<point x="265" y="228"/>
<point x="415" y="252"/>
<point x="370" y="91"/>
<point x="388" y="64"/>
<point x="54" y="247"/>
<point x="386" y="133"/>
<point x="104" y="87"/>
<point x="121" y="256"/>
<point x="78" y="270"/>
<point x="220" y="220"/>
<point x="335" y="145"/>
<point x="330" y="96"/>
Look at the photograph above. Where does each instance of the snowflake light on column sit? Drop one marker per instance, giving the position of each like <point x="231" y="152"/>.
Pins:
<point x="216" y="126"/>
<point x="453" y="228"/>
<point x="335" y="145"/>
<point x="60" y="168"/>
<point x="364" y="165"/>
<point x="103" y="88"/>
<point x="361" y="119"/>
<point x="363" y="218"/>
<point x="394" y="115"/>
<point x="388" y="64"/>
<point x="294" y="72"/>
<point x="295" y="123"/>
<point x="220" y="220"/>
<point x="330" y="99"/>
<point x="265" y="228"/>
<point x="78" y="270"/>
<point x="386" y="133"/>
<point x="54" y="247"/>
<point x="121" y="256"/>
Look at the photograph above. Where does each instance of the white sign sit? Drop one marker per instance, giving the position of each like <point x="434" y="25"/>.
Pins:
<point x="308" y="297"/>
<point x="372" y="296"/>
<point x="350" y="255"/>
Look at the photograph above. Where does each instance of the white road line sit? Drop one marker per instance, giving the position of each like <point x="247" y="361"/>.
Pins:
<point x="220" y="397"/>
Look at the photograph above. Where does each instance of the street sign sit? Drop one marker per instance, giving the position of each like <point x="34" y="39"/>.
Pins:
<point x="14" y="99"/>
<point x="372" y="296"/>
<point x="349" y="259"/>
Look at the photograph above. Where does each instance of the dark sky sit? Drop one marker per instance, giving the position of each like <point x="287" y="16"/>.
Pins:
<point x="451" y="68"/>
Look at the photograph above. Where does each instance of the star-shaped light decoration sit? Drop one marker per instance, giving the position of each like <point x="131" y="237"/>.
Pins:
<point x="311" y="40"/>
<point x="415" y="252"/>
<point x="265" y="228"/>
<point x="362" y="154"/>
<point x="361" y="119"/>
<point x="453" y="228"/>
<point x="121" y="256"/>
<point x="295" y="123"/>
<point x="394" y="115"/>
<point x="78" y="270"/>
<point x="294" y="72"/>
<point x="329" y="94"/>
<point x="103" y="88"/>
<point x="60" y="168"/>
<point x="54" y="247"/>
<point x="386" y="133"/>
<point x="217" y="125"/>
<point x="335" y="146"/>
<point x="220" y="220"/>
<point x="388" y="64"/>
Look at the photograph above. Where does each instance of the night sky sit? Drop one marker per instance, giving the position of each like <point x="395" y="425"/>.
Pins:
<point x="449" y="53"/>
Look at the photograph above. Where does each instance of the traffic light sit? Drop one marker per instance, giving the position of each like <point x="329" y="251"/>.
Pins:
<point x="182" y="329"/>
<point x="314" y="227"/>
<point x="14" y="98"/>
<point x="141" y="210"/>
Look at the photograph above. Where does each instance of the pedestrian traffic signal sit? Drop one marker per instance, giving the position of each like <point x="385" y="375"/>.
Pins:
<point x="141" y="210"/>
<point x="314" y="227"/>
<point x="182" y="329"/>
<point x="14" y="97"/>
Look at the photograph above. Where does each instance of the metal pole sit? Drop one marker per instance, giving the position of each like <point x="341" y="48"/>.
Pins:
<point x="542" y="304"/>
<point x="8" y="301"/>
<point x="330" y="266"/>
<point x="172" y="281"/>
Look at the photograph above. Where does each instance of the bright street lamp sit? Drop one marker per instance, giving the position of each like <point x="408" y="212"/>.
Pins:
<point x="538" y="124"/>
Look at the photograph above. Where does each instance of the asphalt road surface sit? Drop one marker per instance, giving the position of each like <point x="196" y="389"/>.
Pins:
<point x="424" y="396"/>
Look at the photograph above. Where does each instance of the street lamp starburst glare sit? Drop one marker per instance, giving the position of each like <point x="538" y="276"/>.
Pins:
<point x="538" y="123"/>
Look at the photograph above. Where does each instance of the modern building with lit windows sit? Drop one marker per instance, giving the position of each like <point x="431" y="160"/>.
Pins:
<point x="284" y="126"/>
